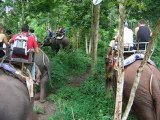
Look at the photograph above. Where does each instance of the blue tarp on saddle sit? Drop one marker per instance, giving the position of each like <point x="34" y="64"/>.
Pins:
<point x="134" y="57"/>
<point x="18" y="74"/>
<point x="8" y="67"/>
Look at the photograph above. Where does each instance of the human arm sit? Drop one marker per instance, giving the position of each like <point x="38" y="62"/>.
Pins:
<point x="109" y="51"/>
<point x="150" y="32"/>
<point x="136" y="30"/>
<point x="5" y="40"/>
<point x="13" y="39"/>
<point x="35" y="45"/>
<point x="36" y="50"/>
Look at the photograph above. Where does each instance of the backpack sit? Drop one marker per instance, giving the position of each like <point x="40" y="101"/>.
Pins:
<point x="19" y="46"/>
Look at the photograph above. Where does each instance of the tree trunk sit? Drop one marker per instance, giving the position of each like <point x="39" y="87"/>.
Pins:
<point x="120" y="79"/>
<point x="75" y="39"/>
<point x="90" y="46"/>
<point x="87" y="44"/>
<point x="140" y="70"/>
<point x="86" y="41"/>
<point x="95" y="30"/>
<point x="78" y="37"/>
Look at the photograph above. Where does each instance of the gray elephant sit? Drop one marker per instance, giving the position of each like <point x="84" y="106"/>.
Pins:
<point x="146" y="105"/>
<point x="57" y="42"/>
<point x="43" y="63"/>
<point x="15" y="102"/>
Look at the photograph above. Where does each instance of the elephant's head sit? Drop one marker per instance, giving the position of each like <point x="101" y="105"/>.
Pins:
<point x="47" y="41"/>
<point x="108" y="72"/>
<point x="109" y="62"/>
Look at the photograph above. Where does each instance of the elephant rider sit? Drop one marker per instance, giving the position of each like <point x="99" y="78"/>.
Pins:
<point x="62" y="31"/>
<point x="127" y="38"/>
<point x="113" y="45"/>
<point x="112" y="48"/>
<point x="32" y="33"/>
<point x="143" y="34"/>
<point x="3" y="39"/>
<point x="31" y="44"/>
<point x="9" y="34"/>
<point x="50" y="33"/>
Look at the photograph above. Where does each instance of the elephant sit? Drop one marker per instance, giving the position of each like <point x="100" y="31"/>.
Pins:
<point x="57" y="42"/>
<point x="146" y="105"/>
<point x="15" y="103"/>
<point x="44" y="65"/>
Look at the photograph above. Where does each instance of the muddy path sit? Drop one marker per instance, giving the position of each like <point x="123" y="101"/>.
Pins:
<point x="76" y="81"/>
<point x="46" y="109"/>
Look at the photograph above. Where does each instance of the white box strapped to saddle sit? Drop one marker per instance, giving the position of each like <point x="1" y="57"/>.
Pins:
<point x="19" y="46"/>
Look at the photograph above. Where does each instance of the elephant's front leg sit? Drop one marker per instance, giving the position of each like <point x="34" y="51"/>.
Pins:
<point x="43" y="88"/>
<point x="38" y="74"/>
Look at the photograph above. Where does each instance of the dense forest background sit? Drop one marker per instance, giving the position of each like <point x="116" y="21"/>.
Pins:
<point x="88" y="101"/>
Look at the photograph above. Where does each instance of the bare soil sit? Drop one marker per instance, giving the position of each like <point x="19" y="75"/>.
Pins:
<point x="49" y="107"/>
<point x="76" y="81"/>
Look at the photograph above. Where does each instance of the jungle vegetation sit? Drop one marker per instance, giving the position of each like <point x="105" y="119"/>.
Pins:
<point x="88" y="101"/>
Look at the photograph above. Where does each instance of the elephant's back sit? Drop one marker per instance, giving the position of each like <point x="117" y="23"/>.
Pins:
<point x="14" y="98"/>
<point x="143" y="89"/>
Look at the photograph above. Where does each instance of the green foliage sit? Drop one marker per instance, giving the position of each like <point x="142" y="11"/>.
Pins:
<point x="105" y="38"/>
<point x="40" y="29"/>
<point x="156" y="56"/>
<point x="87" y="102"/>
<point x="38" y="109"/>
<point x="67" y="63"/>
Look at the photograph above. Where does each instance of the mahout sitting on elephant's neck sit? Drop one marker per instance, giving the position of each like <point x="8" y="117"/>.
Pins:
<point x="57" y="42"/>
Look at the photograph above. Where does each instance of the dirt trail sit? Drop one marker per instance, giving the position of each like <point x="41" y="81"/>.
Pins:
<point x="48" y="107"/>
<point x="76" y="81"/>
